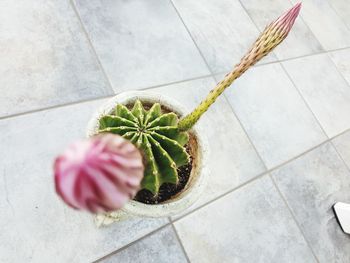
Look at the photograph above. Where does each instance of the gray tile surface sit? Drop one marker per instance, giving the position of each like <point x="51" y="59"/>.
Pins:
<point x="325" y="23"/>
<point x="234" y="160"/>
<point x="311" y="185"/>
<point x="341" y="58"/>
<point x="251" y="224"/>
<point x="274" y="115"/>
<point x="300" y="40"/>
<point x="140" y="43"/>
<point x="324" y="89"/>
<point x="342" y="144"/>
<point x="342" y="8"/>
<point x="161" y="247"/>
<point x="36" y="225"/>
<point x="45" y="57"/>
<point x="61" y="52"/>
<point x="222" y="30"/>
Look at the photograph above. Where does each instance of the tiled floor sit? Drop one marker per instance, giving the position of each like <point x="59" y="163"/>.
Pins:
<point x="279" y="137"/>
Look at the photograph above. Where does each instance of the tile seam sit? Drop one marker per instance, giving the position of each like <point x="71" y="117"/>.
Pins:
<point x="97" y="58"/>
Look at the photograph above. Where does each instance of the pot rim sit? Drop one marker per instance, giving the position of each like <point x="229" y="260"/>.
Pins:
<point x="199" y="174"/>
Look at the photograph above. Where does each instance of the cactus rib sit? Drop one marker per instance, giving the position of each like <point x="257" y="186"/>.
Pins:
<point x="157" y="135"/>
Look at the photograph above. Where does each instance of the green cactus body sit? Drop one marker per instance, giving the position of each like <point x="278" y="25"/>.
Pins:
<point x="157" y="135"/>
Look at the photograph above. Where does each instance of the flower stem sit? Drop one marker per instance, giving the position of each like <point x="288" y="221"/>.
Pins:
<point x="271" y="37"/>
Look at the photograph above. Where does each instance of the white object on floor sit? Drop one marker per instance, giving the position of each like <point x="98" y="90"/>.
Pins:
<point x="342" y="212"/>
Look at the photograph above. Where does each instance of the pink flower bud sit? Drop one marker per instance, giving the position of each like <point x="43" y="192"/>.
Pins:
<point x="100" y="174"/>
<point x="285" y="22"/>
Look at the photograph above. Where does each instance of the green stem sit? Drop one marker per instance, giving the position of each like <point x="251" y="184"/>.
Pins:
<point x="189" y="120"/>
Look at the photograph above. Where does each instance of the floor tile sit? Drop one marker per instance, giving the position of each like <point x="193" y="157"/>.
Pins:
<point x="342" y="8"/>
<point x="36" y="225"/>
<point x="251" y="224"/>
<point x="300" y="40"/>
<point x="45" y="57"/>
<point x="234" y="160"/>
<point x="222" y="30"/>
<point x="342" y="144"/>
<point x="325" y="23"/>
<point x="161" y="247"/>
<point x="140" y="43"/>
<point x="311" y="185"/>
<point x="341" y="58"/>
<point x="324" y="89"/>
<point x="274" y="115"/>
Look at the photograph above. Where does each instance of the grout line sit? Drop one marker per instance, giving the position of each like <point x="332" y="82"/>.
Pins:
<point x="176" y="82"/>
<point x="268" y="171"/>
<point x="301" y="16"/>
<point x="303" y="99"/>
<point x="246" y="133"/>
<point x="337" y="69"/>
<point x="279" y="61"/>
<point x="53" y="107"/>
<point x="256" y="26"/>
<point x="92" y="46"/>
<point x="340" y="134"/>
<point x="293" y="216"/>
<point x="220" y="196"/>
<point x="260" y="175"/>
<point x="213" y="76"/>
<point x="337" y="13"/>
<point x="340" y="156"/>
<point x="132" y="243"/>
<point x="164" y="85"/>
<point x="189" y="33"/>
<point x="307" y="105"/>
<point x="313" y="54"/>
<point x="97" y="98"/>
<point x="292" y="58"/>
<point x="180" y="242"/>
<point x="291" y="79"/>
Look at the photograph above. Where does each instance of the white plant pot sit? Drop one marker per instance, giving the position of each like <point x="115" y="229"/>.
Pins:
<point x="198" y="176"/>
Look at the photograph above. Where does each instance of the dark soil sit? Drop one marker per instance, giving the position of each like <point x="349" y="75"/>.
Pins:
<point x="167" y="190"/>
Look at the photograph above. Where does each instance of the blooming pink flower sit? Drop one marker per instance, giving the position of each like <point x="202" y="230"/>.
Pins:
<point x="100" y="174"/>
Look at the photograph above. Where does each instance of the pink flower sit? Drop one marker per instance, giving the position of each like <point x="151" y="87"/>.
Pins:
<point x="286" y="21"/>
<point x="270" y="38"/>
<point x="100" y="174"/>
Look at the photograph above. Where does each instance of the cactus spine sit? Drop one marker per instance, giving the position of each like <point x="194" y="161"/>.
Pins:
<point x="157" y="135"/>
<point x="271" y="37"/>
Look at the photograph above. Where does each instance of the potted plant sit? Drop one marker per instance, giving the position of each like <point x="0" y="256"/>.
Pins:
<point x="174" y="151"/>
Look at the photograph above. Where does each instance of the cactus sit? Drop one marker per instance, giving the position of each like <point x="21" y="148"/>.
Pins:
<point x="157" y="135"/>
<point x="161" y="136"/>
<point x="270" y="38"/>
